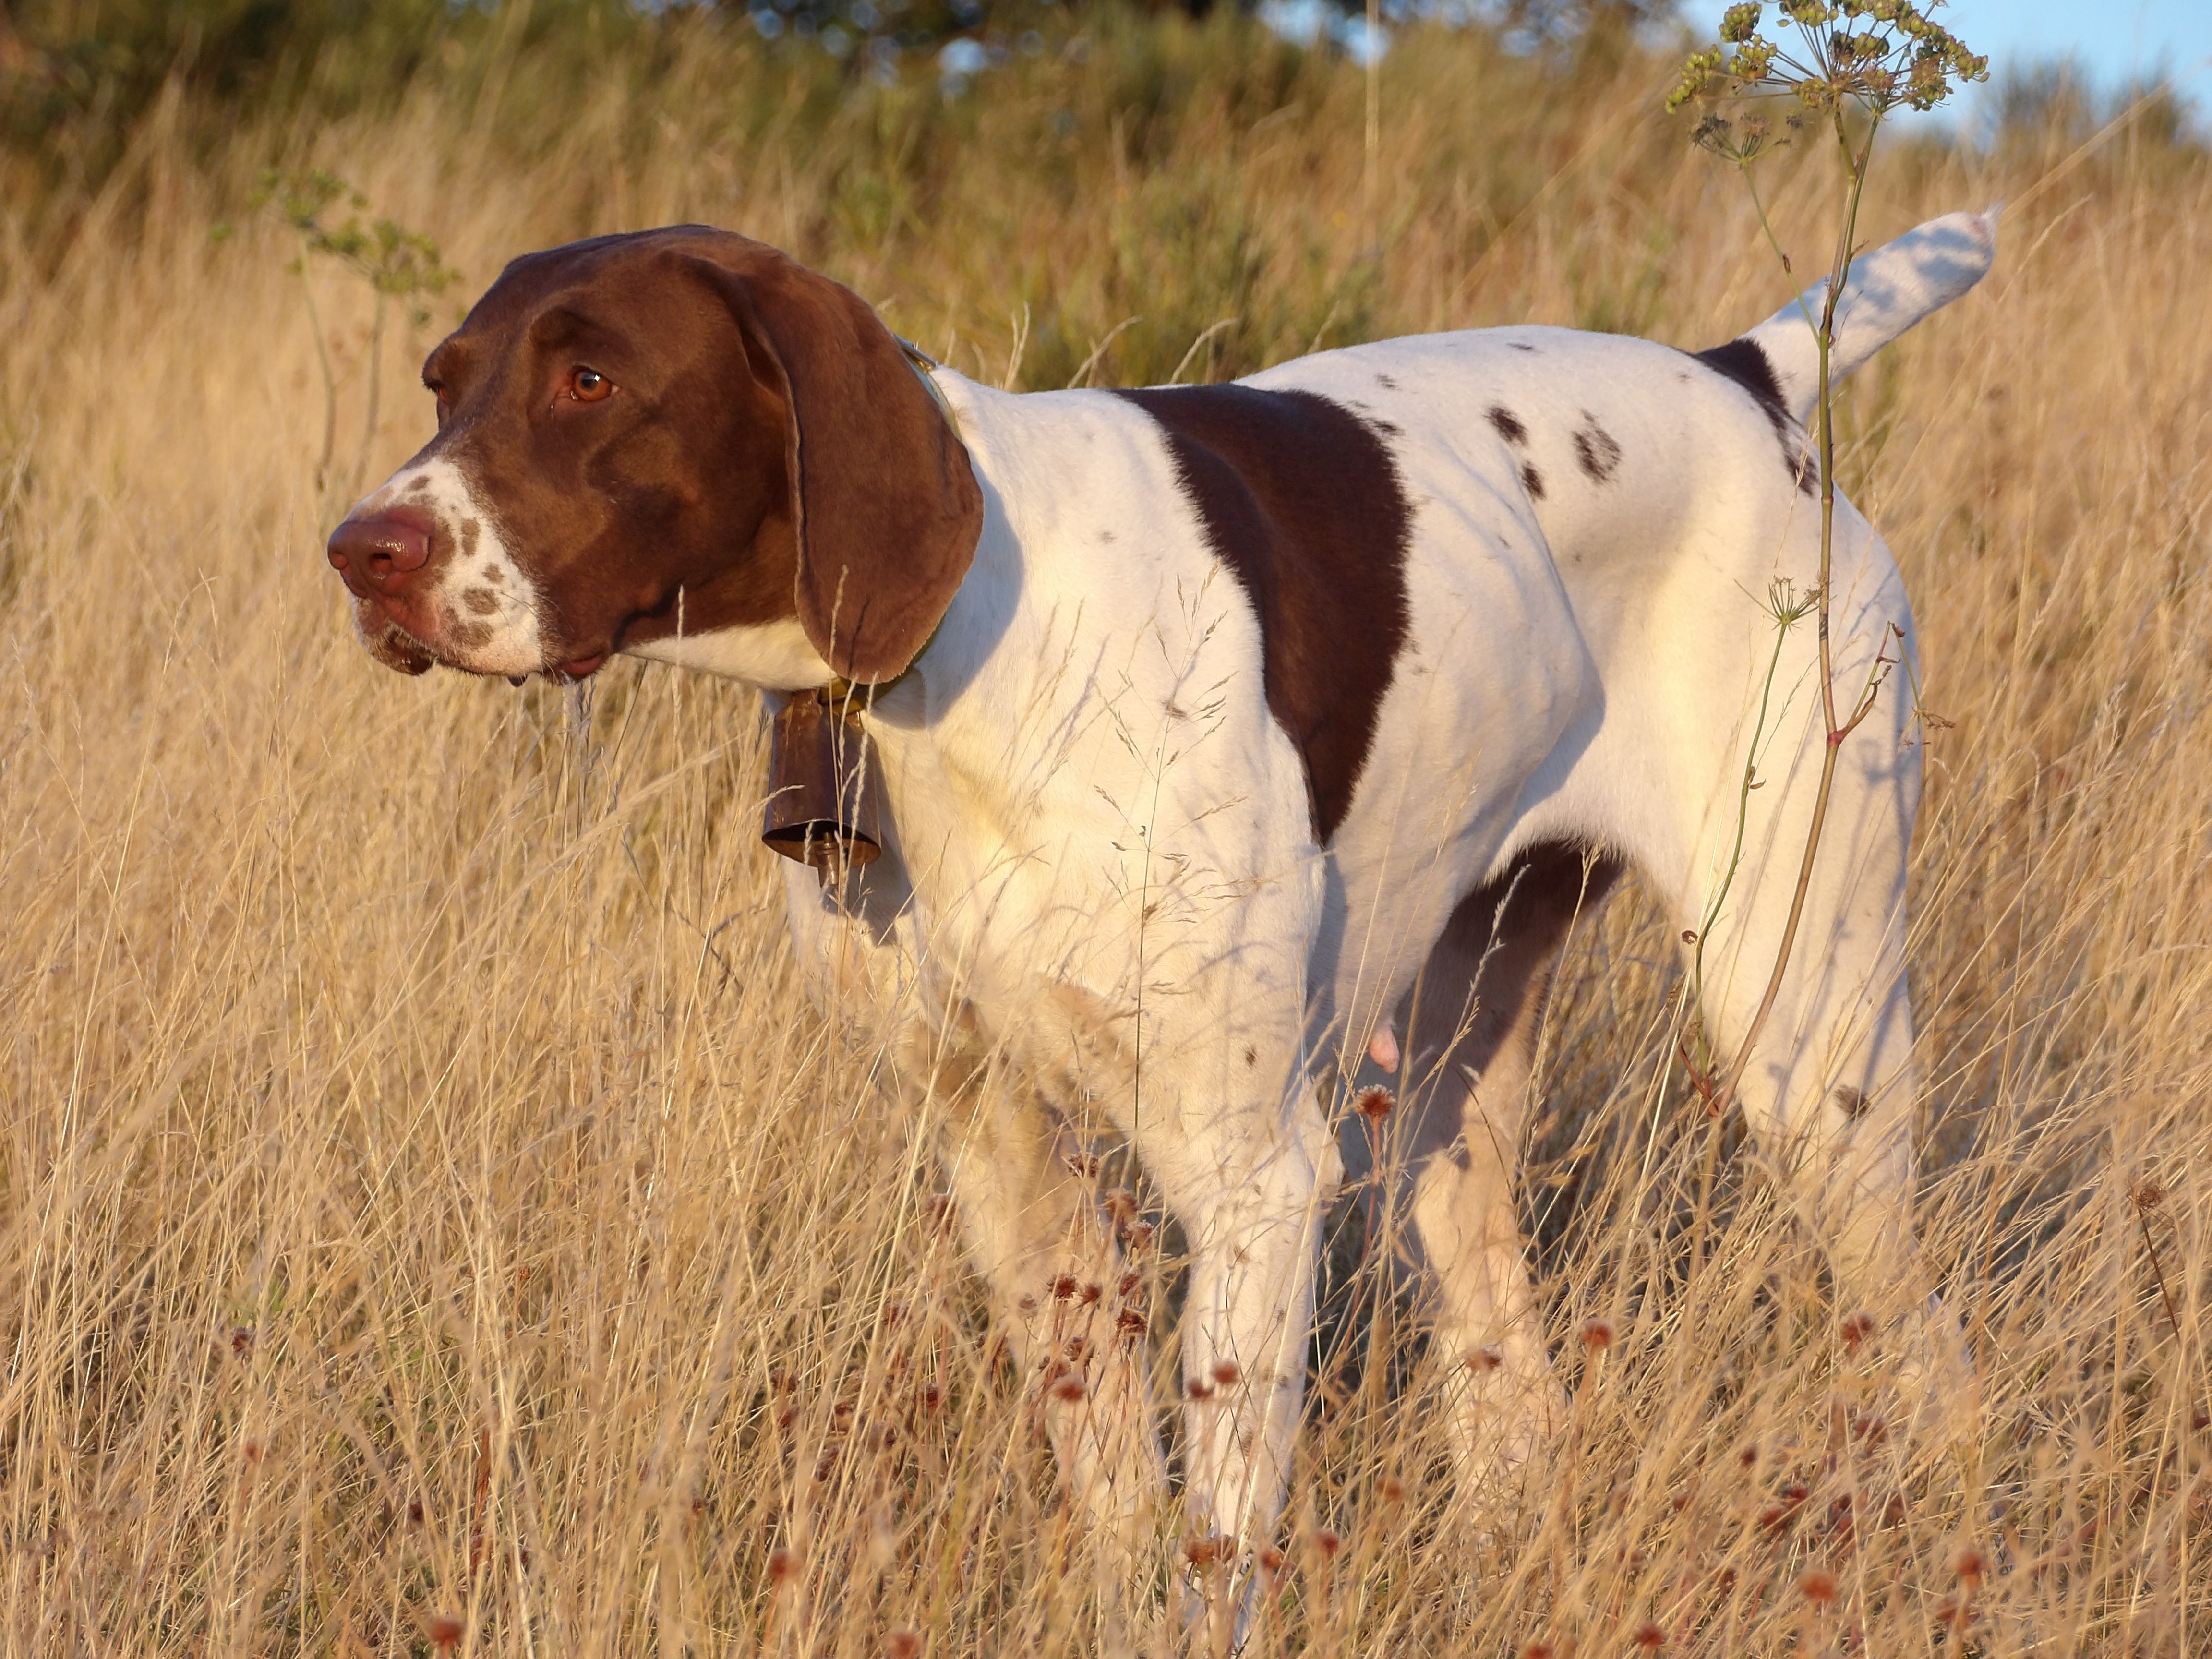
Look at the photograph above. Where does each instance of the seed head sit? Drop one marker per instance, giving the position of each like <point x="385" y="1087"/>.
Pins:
<point x="1537" y="1651"/>
<point x="1225" y="1372"/>
<point x="1121" y="1205"/>
<point x="1202" y="1551"/>
<point x="1130" y="1323"/>
<point x="2148" y="1196"/>
<point x="1820" y="1587"/>
<point x="1069" y="1387"/>
<point x="1198" y="1390"/>
<point x="901" y="1644"/>
<point x="781" y="1564"/>
<point x="445" y="1630"/>
<point x="1373" y="1104"/>
<point x="1597" y="1335"/>
<point x="1271" y="1564"/>
<point x="1393" y="1489"/>
<point x="1649" y="1635"/>
<point x="1856" y="1328"/>
<point x="1969" y="1564"/>
<point x="1064" y="1288"/>
<point x="1326" y="1543"/>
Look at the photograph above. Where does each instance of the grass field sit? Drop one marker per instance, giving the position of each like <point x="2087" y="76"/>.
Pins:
<point x="433" y="1221"/>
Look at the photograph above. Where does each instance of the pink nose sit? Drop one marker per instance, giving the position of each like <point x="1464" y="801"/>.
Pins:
<point x="381" y="553"/>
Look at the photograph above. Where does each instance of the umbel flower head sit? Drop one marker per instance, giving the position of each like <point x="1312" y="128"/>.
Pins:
<point x="1879" y="54"/>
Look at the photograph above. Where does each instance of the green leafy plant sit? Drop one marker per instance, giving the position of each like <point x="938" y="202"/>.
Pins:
<point x="1843" y="69"/>
<point x="399" y="265"/>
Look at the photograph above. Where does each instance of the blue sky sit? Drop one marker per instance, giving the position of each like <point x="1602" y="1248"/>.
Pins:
<point x="2115" y="39"/>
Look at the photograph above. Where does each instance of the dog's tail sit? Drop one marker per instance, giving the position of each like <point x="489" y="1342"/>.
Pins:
<point x="1886" y="293"/>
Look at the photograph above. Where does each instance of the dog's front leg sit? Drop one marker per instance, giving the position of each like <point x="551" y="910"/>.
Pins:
<point x="1248" y="1190"/>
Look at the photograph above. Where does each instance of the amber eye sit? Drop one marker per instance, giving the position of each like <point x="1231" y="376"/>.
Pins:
<point x="588" y="386"/>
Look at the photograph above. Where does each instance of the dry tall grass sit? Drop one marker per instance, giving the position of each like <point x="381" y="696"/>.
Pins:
<point x="434" y="1222"/>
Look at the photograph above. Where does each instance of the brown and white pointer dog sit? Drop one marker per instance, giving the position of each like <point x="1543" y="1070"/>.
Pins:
<point x="1233" y="743"/>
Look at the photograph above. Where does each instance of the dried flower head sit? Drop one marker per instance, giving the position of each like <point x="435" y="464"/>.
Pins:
<point x="445" y="1630"/>
<point x="781" y="1564"/>
<point x="1374" y="1103"/>
<point x="1856" y="1328"/>
<point x="1225" y="1372"/>
<point x="1969" y="1564"/>
<point x="1069" y="1387"/>
<point x="1818" y="1587"/>
<point x="1649" y="1636"/>
<point x="1271" y="1564"/>
<point x="1597" y="1335"/>
<point x="901" y="1644"/>
<point x="2148" y="1196"/>
<point x="1392" y="1490"/>
<point x="1487" y="1359"/>
<point x="1202" y="1550"/>
<point x="1326" y="1543"/>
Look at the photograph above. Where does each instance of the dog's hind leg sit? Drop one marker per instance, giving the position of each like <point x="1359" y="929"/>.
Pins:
<point x="1828" y="1085"/>
<point x="1471" y="1042"/>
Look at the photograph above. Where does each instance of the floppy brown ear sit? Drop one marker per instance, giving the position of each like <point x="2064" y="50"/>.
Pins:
<point x="886" y="505"/>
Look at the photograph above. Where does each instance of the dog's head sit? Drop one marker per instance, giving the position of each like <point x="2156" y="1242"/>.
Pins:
<point x="678" y="426"/>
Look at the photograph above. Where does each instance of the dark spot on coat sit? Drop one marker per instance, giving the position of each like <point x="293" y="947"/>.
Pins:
<point x="1388" y="428"/>
<point x="495" y="574"/>
<point x="1746" y="362"/>
<point x="1595" y="450"/>
<point x="1386" y="383"/>
<point x="1532" y="481"/>
<point x="481" y="600"/>
<point x="1508" y="424"/>
<point x="471" y="529"/>
<point x="1251" y="1057"/>
<point x="1105" y="535"/>
<point x="1302" y="502"/>
<point x="1520" y="345"/>
<point x="1850" y="1101"/>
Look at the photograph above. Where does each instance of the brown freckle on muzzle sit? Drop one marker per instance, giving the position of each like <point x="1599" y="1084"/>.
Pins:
<point x="471" y="530"/>
<point x="481" y="600"/>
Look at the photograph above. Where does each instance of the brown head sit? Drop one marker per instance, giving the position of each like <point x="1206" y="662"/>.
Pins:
<point x="674" y="428"/>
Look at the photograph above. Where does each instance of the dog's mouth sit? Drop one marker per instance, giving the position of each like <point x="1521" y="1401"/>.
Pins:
<point x="406" y="653"/>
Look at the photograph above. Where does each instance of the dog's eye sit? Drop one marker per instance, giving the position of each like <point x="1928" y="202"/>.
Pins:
<point x="588" y="386"/>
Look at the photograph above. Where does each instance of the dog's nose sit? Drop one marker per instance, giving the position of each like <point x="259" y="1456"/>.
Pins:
<point x="382" y="551"/>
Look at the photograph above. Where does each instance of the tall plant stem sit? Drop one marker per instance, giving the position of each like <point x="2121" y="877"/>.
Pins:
<point x="1825" y="334"/>
<point x="330" y="378"/>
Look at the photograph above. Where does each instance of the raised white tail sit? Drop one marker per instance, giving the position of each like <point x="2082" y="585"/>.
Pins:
<point x="1887" y="292"/>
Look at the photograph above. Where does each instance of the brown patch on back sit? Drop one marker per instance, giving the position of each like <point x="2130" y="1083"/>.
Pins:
<point x="1303" y="501"/>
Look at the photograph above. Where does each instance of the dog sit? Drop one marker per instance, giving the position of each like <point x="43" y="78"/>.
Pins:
<point x="1234" y="745"/>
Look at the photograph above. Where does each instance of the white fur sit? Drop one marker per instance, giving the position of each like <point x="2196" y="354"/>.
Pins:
<point x="778" y="656"/>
